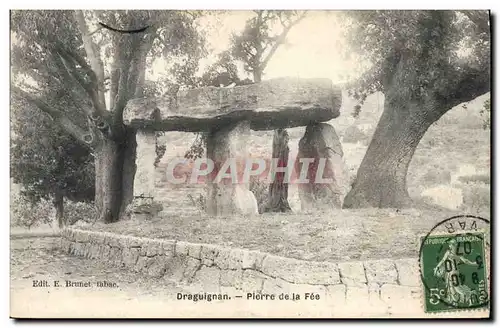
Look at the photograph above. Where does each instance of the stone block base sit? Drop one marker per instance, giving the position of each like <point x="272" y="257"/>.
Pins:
<point x="143" y="208"/>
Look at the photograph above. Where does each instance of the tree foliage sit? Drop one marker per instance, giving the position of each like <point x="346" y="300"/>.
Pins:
<point x="46" y="161"/>
<point x="71" y="69"/>
<point x="486" y="114"/>
<point x="82" y="75"/>
<point x="425" y="63"/>
<point x="259" y="40"/>
<point x="223" y="72"/>
<point x="446" y="54"/>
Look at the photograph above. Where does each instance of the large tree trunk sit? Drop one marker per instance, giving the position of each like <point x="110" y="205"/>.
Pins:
<point x="278" y="189"/>
<point x="115" y="169"/>
<point x="59" y="205"/>
<point x="111" y="184"/>
<point x="129" y="169"/>
<point x="98" y="164"/>
<point x="381" y="178"/>
<point x="257" y="75"/>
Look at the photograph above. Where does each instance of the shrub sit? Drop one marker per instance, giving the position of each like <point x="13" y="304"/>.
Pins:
<point x="199" y="201"/>
<point x="435" y="177"/>
<point x="197" y="148"/>
<point x="260" y="190"/>
<point x="353" y="134"/>
<point x="79" y="211"/>
<point x="474" y="178"/>
<point x="28" y="214"/>
<point x="476" y="197"/>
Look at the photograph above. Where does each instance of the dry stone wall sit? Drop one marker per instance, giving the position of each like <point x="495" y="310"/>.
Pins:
<point x="369" y="288"/>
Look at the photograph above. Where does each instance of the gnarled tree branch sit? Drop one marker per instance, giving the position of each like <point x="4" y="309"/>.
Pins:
<point x="480" y="18"/>
<point x="281" y="39"/>
<point x="84" y="137"/>
<point x="94" y="56"/>
<point x="469" y="85"/>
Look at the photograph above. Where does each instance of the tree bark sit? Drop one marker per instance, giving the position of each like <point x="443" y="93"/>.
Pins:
<point x="114" y="173"/>
<point x="98" y="164"/>
<point x="111" y="169"/>
<point x="257" y="75"/>
<point x="129" y="169"/>
<point x="381" y="178"/>
<point x="59" y="205"/>
<point x="278" y="189"/>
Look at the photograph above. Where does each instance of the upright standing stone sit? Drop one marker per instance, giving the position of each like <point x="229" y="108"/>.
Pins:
<point x="321" y="141"/>
<point x="229" y="197"/>
<point x="143" y="205"/>
<point x="275" y="104"/>
<point x="278" y="189"/>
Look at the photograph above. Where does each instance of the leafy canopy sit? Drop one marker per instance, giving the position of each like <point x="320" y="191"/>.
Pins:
<point x="46" y="161"/>
<point x="68" y="66"/>
<point x="443" y="54"/>
<point x="261" y="37"/>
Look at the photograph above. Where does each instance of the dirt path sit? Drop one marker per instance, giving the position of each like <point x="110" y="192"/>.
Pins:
<point x="134" y="297"/>
<point x="38" y="259"/>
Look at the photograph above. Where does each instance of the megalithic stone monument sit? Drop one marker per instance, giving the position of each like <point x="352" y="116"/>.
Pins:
<point x="227" y="114"/>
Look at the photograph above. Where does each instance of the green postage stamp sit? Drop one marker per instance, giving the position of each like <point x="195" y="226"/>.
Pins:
<point x="454" y="272"/>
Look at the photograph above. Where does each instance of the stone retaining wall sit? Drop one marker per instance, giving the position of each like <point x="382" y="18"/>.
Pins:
<point x="369" y="288"/>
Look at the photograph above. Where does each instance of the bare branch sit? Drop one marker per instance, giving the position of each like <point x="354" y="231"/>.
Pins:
<point x="68" y="63"/>
<point x="479" y="18"/>
<point x="95" y="31"/>
<point x="60" y="118"/>
<point x="94" y="56"/>
<point x="281" y="39"/>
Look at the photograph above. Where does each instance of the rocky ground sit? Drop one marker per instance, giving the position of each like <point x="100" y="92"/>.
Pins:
<point x="334" y="236"/>
<point x="136" y="296"/>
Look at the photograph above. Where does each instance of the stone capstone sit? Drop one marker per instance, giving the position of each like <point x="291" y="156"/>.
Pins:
<point x="268" y="105"/>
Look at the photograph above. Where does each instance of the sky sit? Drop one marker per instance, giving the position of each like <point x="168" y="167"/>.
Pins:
<point x="314" y="47"/>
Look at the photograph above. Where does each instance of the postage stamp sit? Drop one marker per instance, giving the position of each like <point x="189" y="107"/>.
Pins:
<point x="454" y="270"/>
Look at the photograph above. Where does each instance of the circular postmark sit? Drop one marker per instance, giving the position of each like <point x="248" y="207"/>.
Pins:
<point x="454" y="258"/>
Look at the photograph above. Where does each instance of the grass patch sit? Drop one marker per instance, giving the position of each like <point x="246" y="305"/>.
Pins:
<point x="475" y="178"/>
<point x="337" y="235"/>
